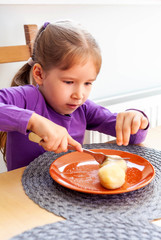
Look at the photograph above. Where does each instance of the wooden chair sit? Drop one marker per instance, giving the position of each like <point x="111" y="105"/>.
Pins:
<point x="20" y="52"/>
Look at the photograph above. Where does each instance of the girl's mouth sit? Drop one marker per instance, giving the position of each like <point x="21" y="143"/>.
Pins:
<point x="72" y="106"/>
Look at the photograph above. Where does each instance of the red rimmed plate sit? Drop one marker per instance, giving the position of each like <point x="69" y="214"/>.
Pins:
<point x="79" y="172"/>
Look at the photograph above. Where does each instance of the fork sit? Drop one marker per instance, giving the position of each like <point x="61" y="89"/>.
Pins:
<point x="99" y="156"/>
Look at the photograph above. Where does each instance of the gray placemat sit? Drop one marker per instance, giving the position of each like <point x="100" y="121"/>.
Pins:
<point x="112" y="229"/>
<point x="43" y="190"/>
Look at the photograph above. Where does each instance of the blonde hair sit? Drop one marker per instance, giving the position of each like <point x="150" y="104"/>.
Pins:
<point x="62" y="44"/>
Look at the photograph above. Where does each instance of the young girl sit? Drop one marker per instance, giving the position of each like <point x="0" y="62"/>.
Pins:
<point x="65" y="62"/>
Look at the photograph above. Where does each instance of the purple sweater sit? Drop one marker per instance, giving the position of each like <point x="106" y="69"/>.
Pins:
<point x="16" y="107"/>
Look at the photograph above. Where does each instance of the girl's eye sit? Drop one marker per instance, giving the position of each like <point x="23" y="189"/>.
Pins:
<point x="68" y="82"/>
<point x="88" y="83"/>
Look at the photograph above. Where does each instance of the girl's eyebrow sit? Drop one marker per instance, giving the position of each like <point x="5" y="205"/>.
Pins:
<point x="92" y="80"/>
<point x="72" y="78"/>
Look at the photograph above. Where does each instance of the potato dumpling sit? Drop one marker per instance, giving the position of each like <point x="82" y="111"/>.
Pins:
<point x="112" y="175"/>
<point x="121" y="162"/>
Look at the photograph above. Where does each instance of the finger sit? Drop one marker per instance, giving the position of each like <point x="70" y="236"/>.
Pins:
<point x="144" y="123"/>
<point x="47" y="146"/>
<point x="119" y="125"/>
<point x="43" y="143"/>
<point x="135" y="124"/>
<point x="126" y="130"/>
<point x="64" y="144"/>
<point x="50" y="144"/>
<point x="75" y="144"/>
<point x="63" y="147"/>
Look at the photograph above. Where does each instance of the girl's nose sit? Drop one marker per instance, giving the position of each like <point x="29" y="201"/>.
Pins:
<point x="77" y="94"/>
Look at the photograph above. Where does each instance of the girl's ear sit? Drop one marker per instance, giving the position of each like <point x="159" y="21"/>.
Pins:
<point x="38" y="74"/>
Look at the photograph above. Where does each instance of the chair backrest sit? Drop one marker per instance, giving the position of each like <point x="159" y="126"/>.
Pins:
<point x="20" y="52"/>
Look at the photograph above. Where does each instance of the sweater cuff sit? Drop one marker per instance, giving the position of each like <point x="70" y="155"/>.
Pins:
<point x="25" y="117"/>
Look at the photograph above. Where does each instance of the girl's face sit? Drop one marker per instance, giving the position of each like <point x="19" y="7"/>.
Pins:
<point x="66" y="90"/>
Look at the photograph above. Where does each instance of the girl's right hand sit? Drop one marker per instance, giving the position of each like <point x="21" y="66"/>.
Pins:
<point x="55" y="137"/>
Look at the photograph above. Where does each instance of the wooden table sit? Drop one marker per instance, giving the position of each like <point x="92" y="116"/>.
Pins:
<point x="18" y="213"/>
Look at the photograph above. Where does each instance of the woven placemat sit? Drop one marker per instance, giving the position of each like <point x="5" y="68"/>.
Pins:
<point x="43" y="190"/>
<point x="113" y="229"/>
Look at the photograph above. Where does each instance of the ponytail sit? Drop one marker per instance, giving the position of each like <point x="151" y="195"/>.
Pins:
<point x="22" y="77"/>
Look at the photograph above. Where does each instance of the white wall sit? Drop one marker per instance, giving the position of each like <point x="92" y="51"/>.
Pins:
<point x="129" y="37"/>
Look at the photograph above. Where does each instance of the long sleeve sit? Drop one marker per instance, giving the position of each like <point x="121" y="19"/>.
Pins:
<point x="13" y="118"/>
<point x="13" y="113"/>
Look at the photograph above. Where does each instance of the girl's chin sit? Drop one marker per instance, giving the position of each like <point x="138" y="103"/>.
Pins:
<point x="69" y="109"/>
<point x="66" y="112"/>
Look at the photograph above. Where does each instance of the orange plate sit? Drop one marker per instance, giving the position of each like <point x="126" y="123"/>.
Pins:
<point x="79" y="171"/>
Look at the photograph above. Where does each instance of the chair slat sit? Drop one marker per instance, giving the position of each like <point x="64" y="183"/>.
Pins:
<point x="14" y="53"/>
<point x="30" y="34"/>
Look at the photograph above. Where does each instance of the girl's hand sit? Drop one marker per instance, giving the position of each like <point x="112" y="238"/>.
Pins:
<point x="127" y="123"/>
<point x="55" y="138"/>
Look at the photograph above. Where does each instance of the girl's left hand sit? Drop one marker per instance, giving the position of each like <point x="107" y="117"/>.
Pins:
<point x="128" y="123"/>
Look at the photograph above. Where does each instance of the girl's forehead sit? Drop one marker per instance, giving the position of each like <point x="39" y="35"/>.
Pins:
<point x="87" y="65"/>
<point x="79" y="62"/>
<point x="87" y="69"/>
